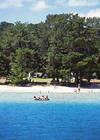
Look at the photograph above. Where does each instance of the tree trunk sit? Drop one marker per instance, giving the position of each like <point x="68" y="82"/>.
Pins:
<point x="53" y="78"/>
<point x="76" y="78"/>
<point x="57" y="79"/>
<point x="69" y="77"/>
<point x="89" y="79"/>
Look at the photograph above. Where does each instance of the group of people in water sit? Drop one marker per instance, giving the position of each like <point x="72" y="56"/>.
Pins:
<point x="41" y="98"/>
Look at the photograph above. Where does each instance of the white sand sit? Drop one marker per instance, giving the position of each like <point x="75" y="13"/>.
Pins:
<point x="58" y="93"/>
<point x="57" y="89"/>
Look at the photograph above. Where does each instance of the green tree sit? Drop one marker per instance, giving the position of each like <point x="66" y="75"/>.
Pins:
<point x="23" y="62"/>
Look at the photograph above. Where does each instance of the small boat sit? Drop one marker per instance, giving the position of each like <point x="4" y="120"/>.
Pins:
<point x="43" y="98"/>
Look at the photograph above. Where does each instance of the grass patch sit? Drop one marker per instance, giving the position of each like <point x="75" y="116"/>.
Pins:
<point x="41" y="80"/>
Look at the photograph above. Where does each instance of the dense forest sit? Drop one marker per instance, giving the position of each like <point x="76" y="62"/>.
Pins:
<point x="63" y="45"/>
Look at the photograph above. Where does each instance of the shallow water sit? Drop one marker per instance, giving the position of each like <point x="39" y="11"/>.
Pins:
<point x="25" y="97"/>
<point x="55" y="121"/>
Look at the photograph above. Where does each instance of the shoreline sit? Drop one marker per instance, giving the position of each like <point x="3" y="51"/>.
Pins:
<point x="57" y="94"/>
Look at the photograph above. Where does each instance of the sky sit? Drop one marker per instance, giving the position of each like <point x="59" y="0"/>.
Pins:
<point x="35" y="11"/>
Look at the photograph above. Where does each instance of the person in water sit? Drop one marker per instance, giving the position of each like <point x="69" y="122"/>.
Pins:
<point x="34" y="97"/>
<point x="41" y="98"/>
<point x="37" y="98"/>
<point x="47" y="97"/>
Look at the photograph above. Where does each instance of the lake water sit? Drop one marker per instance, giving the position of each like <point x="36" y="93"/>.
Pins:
<point x="49" y="121"/>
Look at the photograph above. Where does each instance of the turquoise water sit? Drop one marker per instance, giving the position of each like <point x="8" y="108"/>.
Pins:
<point x="49" y="121"/>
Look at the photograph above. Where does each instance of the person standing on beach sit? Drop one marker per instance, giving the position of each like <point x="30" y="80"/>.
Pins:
<point x="78" y="87"/>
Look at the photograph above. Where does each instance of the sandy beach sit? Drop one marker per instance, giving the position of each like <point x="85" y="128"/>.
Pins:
<point x="38" y="88"/>
<point x="55" y="93"/>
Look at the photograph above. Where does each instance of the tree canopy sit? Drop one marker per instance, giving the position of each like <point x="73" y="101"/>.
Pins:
<point x="63" y="44"/>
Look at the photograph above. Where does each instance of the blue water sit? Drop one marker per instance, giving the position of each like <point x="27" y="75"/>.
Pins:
<point x="49" y="121"/>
